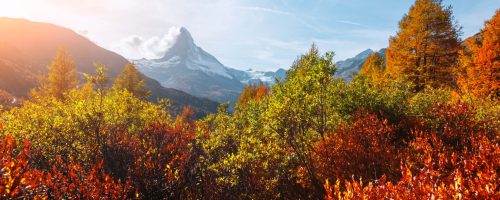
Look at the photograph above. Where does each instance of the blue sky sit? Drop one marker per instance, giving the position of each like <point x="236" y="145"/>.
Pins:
<point x="258" y="34"/>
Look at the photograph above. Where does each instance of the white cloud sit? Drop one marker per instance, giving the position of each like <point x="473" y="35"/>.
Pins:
<point x="262" y="9"/>
<point x="349" y="22"/>
<point x="136" y="47"/>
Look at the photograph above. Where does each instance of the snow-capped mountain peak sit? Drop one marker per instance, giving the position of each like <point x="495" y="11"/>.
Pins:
<point x="182" y="44"/>
<point x="184" y="52"/>
<point x="189" y="68"/>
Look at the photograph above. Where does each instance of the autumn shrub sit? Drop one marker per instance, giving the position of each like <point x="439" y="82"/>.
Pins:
<point x="242" y="160"/>
<point x="467" y="175"/>
<point x="389" y="100"/>
<point x="449" y="156"/>
<point x="156" y="160"/>
<point x="455" y="124"/>
<point x="65" y="180"/>
<point x="361" y="149"/>
<point x="423" y="102"/>
<point x="79" y="125"/>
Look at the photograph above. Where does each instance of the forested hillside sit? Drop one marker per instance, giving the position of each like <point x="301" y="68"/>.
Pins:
<point x="26" y="48"/>
<point x="421" y="124"/>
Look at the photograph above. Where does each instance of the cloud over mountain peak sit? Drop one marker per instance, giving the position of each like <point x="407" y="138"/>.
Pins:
<point x="137" y="47"/>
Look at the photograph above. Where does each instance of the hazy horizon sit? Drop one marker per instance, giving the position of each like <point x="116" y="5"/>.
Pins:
<point x="241" y="34"/>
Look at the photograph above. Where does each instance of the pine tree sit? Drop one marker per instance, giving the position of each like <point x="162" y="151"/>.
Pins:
<point x="425" y="49"/>
<point x="466" y="71"/>
<point x="487" y="60"/>
<point x="479" y="72"/>
<point x="61" y="77"/>
<point x="252" y="92"/>
<point x="100" y="79"/>
<point x="373" y="68"/>
<point x="131" y="80"/>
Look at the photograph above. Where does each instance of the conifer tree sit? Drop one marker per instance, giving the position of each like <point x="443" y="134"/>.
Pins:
<point x="483" y="71"/>
<point x="252" y="92"/>
<point x="373" y="68"/>
<point x="487" y="59"/>
<point x="131" y="80"/>
<point x="100" y="79"/>
<point x="466" y="70"/>
<point x="425" y="49"/>
<point x="61" y="77"/>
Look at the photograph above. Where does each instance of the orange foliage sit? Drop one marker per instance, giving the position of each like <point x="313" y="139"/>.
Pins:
<point x="252" y="92"/>
<point x="481" y="60"/>
<point x="373" y="68"/>
<point x="66" y="180"/>
<point x="425" y="49"/>
<point x="471" y="175"/>
<point x="155" y="161"/>
<point x="364" y="149"/>
<point x="453" y="159"/>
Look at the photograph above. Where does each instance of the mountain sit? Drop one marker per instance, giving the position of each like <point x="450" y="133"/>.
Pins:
<point x="351" y="66"/>
<point x="251" y="76"/>
<point x="26" y="48"/>
<point x="189" y="68"/>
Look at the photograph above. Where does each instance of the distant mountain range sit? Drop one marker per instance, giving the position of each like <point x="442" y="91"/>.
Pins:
<point x="186" y="74"/>
<point x="26" y="48"/>
<point x="189" y="68"/>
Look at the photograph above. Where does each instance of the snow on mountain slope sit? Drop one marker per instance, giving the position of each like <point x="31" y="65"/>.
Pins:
<point x="27" y="47"/>
<point x="186" y="52"/>
<point x="189" y="68"/>
<point x="251" y="76"/>
<point x="258" y="75"/>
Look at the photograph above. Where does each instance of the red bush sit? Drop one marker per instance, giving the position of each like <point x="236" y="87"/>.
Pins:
<point x="364" y="149"/>
<point x="451" y="156"/>
<point x="66" y="180"/>
<point x="156" y="160"/>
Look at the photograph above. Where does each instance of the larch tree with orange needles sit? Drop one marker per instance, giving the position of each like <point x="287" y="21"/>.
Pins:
<point x="425" y="49"/>
<point x="373" y="68"/>
<point x="62" y="76"/>
<point x="481" y="61"/>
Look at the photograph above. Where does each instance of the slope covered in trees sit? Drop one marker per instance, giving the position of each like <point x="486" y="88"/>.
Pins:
<point x="27" y="48"/>
<point x="309" y="136"/>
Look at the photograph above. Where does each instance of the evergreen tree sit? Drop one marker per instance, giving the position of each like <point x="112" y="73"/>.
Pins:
<point x="100" y="79"/>
<point x="481" y="61"/>
<point x="131" y="80"/>
<point x="466" y="68"/>
<point x="425" y="49"/>
<point x="61" y="77"/>
<point x="252" y="92"/>
<point x="373" y="68"/>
